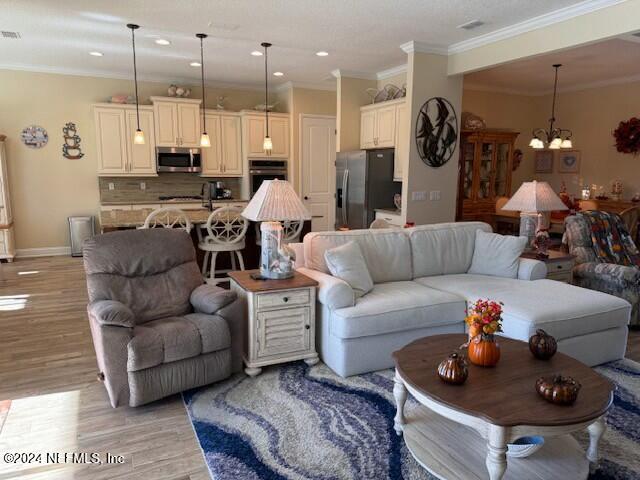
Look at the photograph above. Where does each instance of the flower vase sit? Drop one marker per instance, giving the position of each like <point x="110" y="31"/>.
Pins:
<point x="484" y="350"/>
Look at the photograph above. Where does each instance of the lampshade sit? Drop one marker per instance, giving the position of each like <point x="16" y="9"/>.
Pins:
<point x="205" y="141"/>
<point x="138" y="137"/>
<point x="567" y="143"/>
<point x="535" y="197"/>
<point x="275" y="200"/>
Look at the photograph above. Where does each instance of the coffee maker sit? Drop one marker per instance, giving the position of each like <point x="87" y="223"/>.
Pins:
<point x="214" y="191"/>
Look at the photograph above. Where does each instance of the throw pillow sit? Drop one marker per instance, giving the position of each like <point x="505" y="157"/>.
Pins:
<point x="347" y="263"/>
<point x="497" y="255"/>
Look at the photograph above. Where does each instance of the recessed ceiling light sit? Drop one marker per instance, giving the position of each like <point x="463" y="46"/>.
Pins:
<point x="278" y="74"/>
<point x="96" y="54"/>
<point x="195" y="64"/>
<point x="471" y="25"/>
<point x="256" y="53"/>
<point x="322" y="53"/>
<point x="162" y="41"/>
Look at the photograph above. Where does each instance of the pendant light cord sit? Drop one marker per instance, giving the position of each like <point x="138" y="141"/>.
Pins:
<point x="135" y="70"/>
<point x="266" y="88"/>
<point x="202" y="36"/>
<point x="553" y="103"/>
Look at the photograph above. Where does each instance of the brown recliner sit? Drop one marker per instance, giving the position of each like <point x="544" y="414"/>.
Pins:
<point x="156" y="328"/>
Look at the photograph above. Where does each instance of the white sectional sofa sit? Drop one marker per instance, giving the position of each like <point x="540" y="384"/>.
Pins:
<point x="421" y="287"/>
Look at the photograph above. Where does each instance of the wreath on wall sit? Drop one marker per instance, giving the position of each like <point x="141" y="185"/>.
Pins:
<point x="627" y="136"/>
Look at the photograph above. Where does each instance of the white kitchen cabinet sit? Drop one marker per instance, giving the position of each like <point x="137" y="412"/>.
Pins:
<point x="378" y="124"/>
<point x="224" y="157"/>
<point x="254" y="130"/>
<point x="115" y="129"/>
<point x="401" y="157"/>
<point x="177" y="122"/>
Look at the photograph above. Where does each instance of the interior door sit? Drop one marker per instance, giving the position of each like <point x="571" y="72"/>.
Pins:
<point x="318" y="169"/>
<point x="142" y="158"/>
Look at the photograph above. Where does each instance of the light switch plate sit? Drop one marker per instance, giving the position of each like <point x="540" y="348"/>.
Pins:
<point x="418" y="196"/>
<point x="143" y="185"/>
<point x="434" y="195"/>
<point x="112" y="186"/>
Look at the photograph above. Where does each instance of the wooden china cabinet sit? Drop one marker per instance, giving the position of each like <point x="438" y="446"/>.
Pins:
<point x="486" y="160"/>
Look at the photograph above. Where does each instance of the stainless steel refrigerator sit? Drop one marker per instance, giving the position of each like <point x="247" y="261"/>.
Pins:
<point x="364" y="182"/>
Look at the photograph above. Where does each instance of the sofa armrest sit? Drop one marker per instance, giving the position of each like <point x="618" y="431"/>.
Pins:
<point x="332" y="292"/>
<point x="112" y="312"/>
<point x="210" y="298"/>
<point x="298" y="250"/>
<point x="530" y="269"/>
<point x="602" y="274"/>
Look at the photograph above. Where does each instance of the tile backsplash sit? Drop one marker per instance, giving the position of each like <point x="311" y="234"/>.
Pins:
<point x="127" y="189"/>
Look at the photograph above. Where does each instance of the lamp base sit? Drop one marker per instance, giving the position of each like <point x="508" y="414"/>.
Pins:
<point x="274" y="262"/>
<point x="528" y="227"/>
<point x="274" y="275"/>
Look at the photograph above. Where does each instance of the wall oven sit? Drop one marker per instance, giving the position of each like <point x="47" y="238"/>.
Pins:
<point x="261" y="170"/>
<point x="173" y="159"/>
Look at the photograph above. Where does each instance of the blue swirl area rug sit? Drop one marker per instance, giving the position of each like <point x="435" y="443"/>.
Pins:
<point x="299" y="422"/>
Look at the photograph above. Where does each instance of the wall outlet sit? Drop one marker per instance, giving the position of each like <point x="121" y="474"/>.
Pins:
<point x="434" y="195"/>
<point x="418" y="196"/>
<point x="143" y="185"/>
<point x="111" y="186"/>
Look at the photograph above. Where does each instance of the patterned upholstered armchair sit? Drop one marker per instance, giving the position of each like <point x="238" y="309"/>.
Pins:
<point x="607" y="258"/>
<point x="157" y="330"/>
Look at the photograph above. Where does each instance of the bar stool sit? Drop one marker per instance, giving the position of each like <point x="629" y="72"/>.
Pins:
<point x="168" y="217"/>
<point x="226" y="230"/>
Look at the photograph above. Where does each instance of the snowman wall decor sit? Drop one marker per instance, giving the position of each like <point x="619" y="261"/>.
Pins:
<point x="71" y="147"/>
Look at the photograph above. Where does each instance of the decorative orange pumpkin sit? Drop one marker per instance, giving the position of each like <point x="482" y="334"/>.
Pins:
<point x="453" y="369"/>
<point x="484" y="351"/>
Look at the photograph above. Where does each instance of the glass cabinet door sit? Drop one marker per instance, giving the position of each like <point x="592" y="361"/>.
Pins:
<point x="468" y="149"/>
<point x="485" y="170"/>
<point x="502" y="169"/>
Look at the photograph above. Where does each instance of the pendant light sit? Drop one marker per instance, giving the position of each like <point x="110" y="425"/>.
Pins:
<point x="267" y="145"/>
<point x="555" y="138"/>
<point x="138" y="138"/>
<point x="205" y="141"/>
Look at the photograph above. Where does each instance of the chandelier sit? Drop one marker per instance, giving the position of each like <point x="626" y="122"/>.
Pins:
<point x="555" y="137"/>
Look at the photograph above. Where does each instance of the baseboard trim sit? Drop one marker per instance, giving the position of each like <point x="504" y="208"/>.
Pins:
<point x="42" y="252"/>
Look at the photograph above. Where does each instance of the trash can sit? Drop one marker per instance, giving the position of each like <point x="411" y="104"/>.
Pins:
<point x="80" y="228"/>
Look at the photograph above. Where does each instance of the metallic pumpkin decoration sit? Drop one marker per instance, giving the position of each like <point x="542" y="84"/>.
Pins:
<point x="542" y="345"/>
<point x="558" y="389"/>
<point x="453" y="369"/>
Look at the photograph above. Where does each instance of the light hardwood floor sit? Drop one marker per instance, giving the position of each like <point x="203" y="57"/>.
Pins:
<point x="48" y="371"/>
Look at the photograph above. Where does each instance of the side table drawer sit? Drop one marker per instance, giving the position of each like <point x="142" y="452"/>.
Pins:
<point x="283" y="331"/>
<point x="283" y="299"/>
<point x="559" y="267"/>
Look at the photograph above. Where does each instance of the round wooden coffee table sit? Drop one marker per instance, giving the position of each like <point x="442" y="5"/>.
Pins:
<point x="462" y="431"/>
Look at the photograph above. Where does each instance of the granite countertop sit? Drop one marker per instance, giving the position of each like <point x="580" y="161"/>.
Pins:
<point x="390" y="210"/>
<point x="171" y="202"/>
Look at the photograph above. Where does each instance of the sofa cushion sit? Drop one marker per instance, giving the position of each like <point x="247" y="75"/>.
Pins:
<point x="347" y="263"/>
<point x="443" y="248"/>
<point x="497" y="255"/>
<point x="175" y="338"/>
<point x="562" y="310"/>
<point x="386" y="252"/>
<point x="395" y="307"/>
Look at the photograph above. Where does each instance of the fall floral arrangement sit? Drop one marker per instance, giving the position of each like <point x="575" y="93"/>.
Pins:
<point x="484" y="317"/>
<point x="627" y="136"/>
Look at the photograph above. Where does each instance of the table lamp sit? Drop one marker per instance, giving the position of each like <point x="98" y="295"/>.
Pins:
<point x="530" y="200"/>
<point x="275" y="201"/>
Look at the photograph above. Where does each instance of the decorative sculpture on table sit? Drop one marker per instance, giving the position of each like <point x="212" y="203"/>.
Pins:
<point x="71" y="147"/>
<point x="436" y="131"/>
<point x="275" y="201"/>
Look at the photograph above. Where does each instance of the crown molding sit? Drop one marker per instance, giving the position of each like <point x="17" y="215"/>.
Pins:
<point x="534" y="23"/>
<point x="341" y="72"/>
<point x="306" y="85"/>
<point x="391" y="72"/>
<point x="423" y="47"/>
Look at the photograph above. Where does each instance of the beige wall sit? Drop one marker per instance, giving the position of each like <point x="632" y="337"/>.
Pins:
<point x="46" y="188"/>
<point x="591" y="114"/>
<point x="351" y="95"/>
<point x="304" y="100"/>
<point x="426" y="78"/>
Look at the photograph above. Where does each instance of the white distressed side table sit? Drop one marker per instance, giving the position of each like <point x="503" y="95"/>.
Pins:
<point x="280" y="316"/>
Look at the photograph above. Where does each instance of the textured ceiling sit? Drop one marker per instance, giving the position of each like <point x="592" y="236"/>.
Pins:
<point x="611" y="61"/>
<point x="360" y="35"/>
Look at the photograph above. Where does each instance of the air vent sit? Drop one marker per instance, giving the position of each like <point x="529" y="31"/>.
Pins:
<point x="471" y="25"/>
<point x="12" y="35"/>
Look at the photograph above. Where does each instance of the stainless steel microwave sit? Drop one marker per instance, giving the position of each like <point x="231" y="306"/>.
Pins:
<point x="173" y="159"/>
